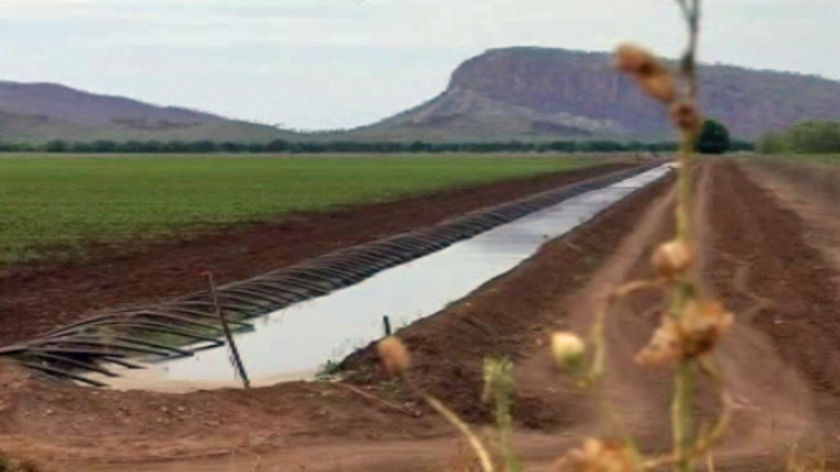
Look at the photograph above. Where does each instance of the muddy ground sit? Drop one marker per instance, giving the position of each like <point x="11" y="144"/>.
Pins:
<point x="766" y="245"/>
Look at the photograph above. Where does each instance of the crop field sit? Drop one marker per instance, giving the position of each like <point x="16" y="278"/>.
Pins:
<point x="55" y="205"/>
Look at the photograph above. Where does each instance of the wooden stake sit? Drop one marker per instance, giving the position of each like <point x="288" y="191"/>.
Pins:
<point x="386" y="322"/>
<point x="228" y="336"/>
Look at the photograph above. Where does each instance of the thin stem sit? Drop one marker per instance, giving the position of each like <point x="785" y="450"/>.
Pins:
<point x="504" y="422"/>
<point x="706" y="441"/>
<point x="452" y="418"/>
<point x="597" y="337"/>
<point x="689" y="61"/>
<point x="472" y="439"/>
<point x="685" y="189"/>
<point x="499" y="384"/>
<point x="710" y="462"/>
<point x="682" y="403"/>
<point x="681" y="416"/>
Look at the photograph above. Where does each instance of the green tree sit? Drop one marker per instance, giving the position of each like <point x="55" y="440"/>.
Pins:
<point x="104" y="146"/>
<point x="808" y="137"/>
<point x="278" y="145"/>
<point x="713" y="138"/>
<point x="56" y="145"/>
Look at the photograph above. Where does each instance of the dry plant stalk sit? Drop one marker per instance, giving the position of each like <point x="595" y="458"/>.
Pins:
<point x="498" y="388"/>
<point x="693" y="324"/>
<point x="685" y="339"/>
<point x="397" y="361"/>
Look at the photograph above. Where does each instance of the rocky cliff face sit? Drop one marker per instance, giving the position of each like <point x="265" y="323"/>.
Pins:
<point x="535" y="92"/>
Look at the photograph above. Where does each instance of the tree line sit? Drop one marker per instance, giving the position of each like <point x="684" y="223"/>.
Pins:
<point x="283" y="146"/>
<point x="809" y="137"/>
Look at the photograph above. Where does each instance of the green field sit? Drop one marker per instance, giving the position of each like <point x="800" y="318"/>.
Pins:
<point x="54" y="206"/>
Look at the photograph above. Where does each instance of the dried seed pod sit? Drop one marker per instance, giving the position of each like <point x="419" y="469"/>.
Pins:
<point x="596" y="455"/>
<point x="685" y="115"/>
<point x="672" y="258"/>
<point x="696" y="333"/>
<point x="567" y="349"/>
<point x="394" y="355"/>
<point x="664" y="347"/>
<point x="634" y="59"/>
<point x="704" y="322"/>
<point x="659" y="85"/>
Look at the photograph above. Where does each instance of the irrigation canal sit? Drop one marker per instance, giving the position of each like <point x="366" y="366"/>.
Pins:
<point x="289" y="323"/>
<point x="293" y="343"/>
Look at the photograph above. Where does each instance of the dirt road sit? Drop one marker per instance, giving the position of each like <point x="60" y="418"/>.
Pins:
<point x="762" y="252"/>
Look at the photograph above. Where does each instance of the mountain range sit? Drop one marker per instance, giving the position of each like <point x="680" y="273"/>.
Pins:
<point x="522" y="93"/>
<point x="40" y="112"/>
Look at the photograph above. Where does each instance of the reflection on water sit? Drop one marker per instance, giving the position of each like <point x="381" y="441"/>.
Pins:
<point x="291" y="344"/>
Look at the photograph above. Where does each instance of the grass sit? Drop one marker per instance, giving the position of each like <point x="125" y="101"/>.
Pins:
<point x="54" y="206"/>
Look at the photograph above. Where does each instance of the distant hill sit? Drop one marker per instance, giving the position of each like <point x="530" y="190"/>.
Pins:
<point x="501" y="95"/>
<point x="39" y="112"/>
<point x="538" y="93"/>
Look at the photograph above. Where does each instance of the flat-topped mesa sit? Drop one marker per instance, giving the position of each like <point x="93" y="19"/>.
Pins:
<point x="529" y="92"/>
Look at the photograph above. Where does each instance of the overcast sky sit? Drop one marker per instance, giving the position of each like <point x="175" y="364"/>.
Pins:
<point x="317" y="64"/>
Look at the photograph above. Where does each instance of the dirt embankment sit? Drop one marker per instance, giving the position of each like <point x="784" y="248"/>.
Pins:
<point x="34" y="299"/>
<point x="781" y="362"/>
